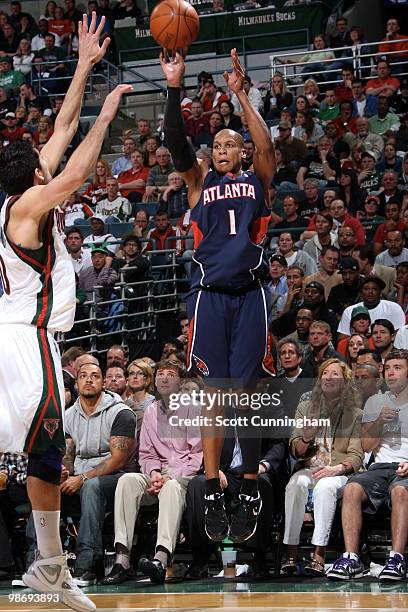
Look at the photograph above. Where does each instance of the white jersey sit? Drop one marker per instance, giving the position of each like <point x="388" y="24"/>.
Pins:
<point x="39" y="284"/>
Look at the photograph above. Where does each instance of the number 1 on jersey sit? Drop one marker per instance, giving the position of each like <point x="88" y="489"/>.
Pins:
<point x="233" y="228"/>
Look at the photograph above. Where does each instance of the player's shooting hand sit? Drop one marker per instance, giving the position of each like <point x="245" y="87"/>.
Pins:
<point x="235" y="80"/>
<point x="89" y="50"/>
<point x="173" y="68"/>
<point x="112" y="101"/>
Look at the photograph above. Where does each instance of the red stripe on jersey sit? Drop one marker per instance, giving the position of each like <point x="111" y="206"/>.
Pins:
<point x="258" y="229"/>
<point x="268" y="362"/>
<point x="197" y="233"/>
<point x="47" y="274"/>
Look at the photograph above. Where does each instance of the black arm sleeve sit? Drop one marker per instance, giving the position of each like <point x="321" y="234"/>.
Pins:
<point x="175" y="139"/>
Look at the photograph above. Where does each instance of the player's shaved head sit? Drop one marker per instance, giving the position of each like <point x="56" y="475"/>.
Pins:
<point x="226" y="133"/>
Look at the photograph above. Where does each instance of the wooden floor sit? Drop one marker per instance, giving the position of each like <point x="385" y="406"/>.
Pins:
<point x="228" y="602"/>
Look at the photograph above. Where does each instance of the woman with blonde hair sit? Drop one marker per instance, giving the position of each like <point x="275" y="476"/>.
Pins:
<point x="24" y="57"/>
<point x="328" y="449"/>
<point x="97" y="189"/>
<point x="312" y="92"/>
<point x="140" y="384"/>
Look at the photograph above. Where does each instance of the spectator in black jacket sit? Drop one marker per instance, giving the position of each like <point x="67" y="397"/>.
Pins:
<point x="348" y="292"/>
<point x="136" y="269"/>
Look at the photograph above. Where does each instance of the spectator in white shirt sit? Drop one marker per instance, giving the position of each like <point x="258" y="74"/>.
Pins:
<point x="81" y="258"/>
<point x="38" y="42"/>
<point x="254" y="96"/>
<point x="396" y="253"/>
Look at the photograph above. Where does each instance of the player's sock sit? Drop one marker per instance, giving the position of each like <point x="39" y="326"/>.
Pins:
<point x="249" y="487"/>
<point x="47" y="526"/>
<point x="212" y="485"/>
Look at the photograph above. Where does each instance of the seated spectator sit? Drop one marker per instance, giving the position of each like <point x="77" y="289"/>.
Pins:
<point x="156" y="182"/>
<point x="254" y="97"/>
<point x="347" y="292"/>
<point x="116" y="354"/>
<point x="384" y="85"/>
<point x="140" y="224"/>
<point x="23" y="58"/>
<point x="80" y="257"/>
<point x="359" y="324"/>
<point x="321" y="348"/>
<point x="75" y="210"/>
<point x="230" y="121"/>
<point x="99" y="236"/>
<point x="401" y="338"/>
<point x="363" y="105"/>
<point x="326" y="471"/>
<point x="21" y="115"/>
<point x="346" y="238"/>
<point x="161" y="231"/>
<point x="316" y="62"/>
<point x="372" y="143"/>
<point x="384" y="123"/>
<point x="166" y="470"/>
<point x="38" y="41"/>
<point x="27" y="27"/>
<point x="401" y="286"/>
<point x="97" y="189"/>
<point x="321" y="165"/>
<point x="210" y="96"/>
<point x="149" y="156"/>
<point x="7" y="105"/>
<point x="350" y="192"/>
<point x="354" y="344"/>
<point x="400" y="101"/>
<point x="399" y="49"/>
<point x="71" y="11"/>
<point x="13" y="493"/>
<point x="393" y="222"/>
<point x="345" y="121"/>
<point x="277" y="97"/>
<point x="132" y="182"/>
<point x="11" y="133"/>
<point x="49" y="12"/>
<point x="277" y="286"/>
<point x="323" y="238"/>
<point x="312" y="93"/>
<point x="343" y="90"/>
<point x="293" y="148"/>
<point x="28" y="98"/>
<point x="60" y="25"/>
<point x="144" y="131"/>
<point x="304" y="318"/>
<point x="390" y="159"/>
<point x="197" y="122"/>
<point x="369" y="267"/>
<point x="115" y="207"/>
<point x="371" y="288"/>
<point x="295" y="258"/>
<point x="137" y="263"/>
<point x="174" y="198"/>
<point x="395" y="252"/>
<point x="292" y="219"/>
<point x="307" y="129"/>
<point x="123" y="163"/>
<point x="384" y="482"/>
<point x="369" y="178"/>
<point x="340" y="36"/>
<point x="126" y="8"/>
<point x="370" y="218"/>
<point x="10" y="79"/>
<point x="302" y="103"/>
<point x="9" y="40"/>
<point x="329" y="108"/>
<point x="382" y="334"/>
<point x="50" y="61"/>
<point x="248" y="159"/>
<point x="115" y="379"/>
<point x="328" y="265"/>
<point x="342" y="218"/>
<point x="206" y="136"/>
<point x="390" y="190"/>
<point x="312" y="203"/>
<point x="44" y="132"/>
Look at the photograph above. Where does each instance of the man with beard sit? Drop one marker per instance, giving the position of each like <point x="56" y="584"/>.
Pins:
<point x="346" y="293"/>
<point x="368" y="380"/>
<point x="396" y="253"/>
<point x="304" y="319"/>
<point x="295" y="280"/>
<point x="383" y="334"/>
<point x="371" y="288"/>
<point x="347" y="241"/>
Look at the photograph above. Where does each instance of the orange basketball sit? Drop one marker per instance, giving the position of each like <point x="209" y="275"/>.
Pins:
<point x="174" y="24"/>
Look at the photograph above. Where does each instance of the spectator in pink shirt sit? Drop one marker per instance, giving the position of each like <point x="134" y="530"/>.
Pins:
<point x="170" y="455"/>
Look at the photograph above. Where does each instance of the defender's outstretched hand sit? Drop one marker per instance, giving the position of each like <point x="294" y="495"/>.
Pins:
<point x="173" y="68"/>
<point x="112" y="101"/>
<point x="89" y="49"/>
<point x="235" y="80"/>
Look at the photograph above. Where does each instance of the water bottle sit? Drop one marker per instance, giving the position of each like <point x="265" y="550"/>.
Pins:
<point x="229" y="558"/>
<point x="392" y="431"/>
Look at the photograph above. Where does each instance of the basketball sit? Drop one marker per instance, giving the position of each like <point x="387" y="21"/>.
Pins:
<point x="174" y="24"/>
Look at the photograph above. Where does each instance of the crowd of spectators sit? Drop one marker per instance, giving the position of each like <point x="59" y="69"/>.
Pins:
<point x="338" y="306"/>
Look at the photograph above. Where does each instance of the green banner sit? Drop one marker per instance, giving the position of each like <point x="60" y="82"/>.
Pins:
<point x="246" y="30"/>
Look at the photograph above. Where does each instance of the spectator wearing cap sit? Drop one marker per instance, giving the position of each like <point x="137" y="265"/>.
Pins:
<point x="346" y="292"/>
<point x="396" y="252"/>
<point x="295" y="258"/>
<point x="371" y="288"/>
<point x="133" y="263"/>
<point x="393" y="222"/>
<point x="100" y="273"/>
<point x="99" y="235"/>
<point x="293" y="148"/>
<point x="254" y="96"/>
<point x="320" y="338"/>
<point x="278" y="286"/>
<point x="383" y="334"/>
<point x="10" y="79"/>
<point x="369" y="267"/>
<point x="12" y="132"/>
<point x="115" y="207"/>
<point x="327" y="275"/>
<point x="342" y="217"/>
<point x="324" y="236"/>
<point x="360" y="323"/>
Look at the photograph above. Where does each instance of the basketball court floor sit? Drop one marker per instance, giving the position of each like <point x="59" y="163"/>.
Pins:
<point x="221" y="595"/>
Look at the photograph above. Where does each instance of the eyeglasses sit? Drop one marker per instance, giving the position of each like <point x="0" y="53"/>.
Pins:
<point x="134" y="374"/>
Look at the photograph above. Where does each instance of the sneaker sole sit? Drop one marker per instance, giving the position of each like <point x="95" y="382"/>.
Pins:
<point x="217" y="538"/>
<point x="240" y="540"/>
<point x="343" y="577"/>
<point x="85" y="583"/>
<point x="388" y="578"/>
<point x="33" y="583"/>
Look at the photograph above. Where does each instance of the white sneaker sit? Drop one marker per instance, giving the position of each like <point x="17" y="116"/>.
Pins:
<point x="53" y="576"/>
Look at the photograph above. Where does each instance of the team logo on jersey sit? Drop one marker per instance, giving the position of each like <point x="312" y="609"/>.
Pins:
<point x="201" y="366"/>
<point x="51" y="426"/>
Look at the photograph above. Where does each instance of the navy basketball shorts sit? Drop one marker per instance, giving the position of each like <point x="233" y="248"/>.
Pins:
<point x="227" y="336"/>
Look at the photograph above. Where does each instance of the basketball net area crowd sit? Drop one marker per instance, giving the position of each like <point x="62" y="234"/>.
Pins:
<point x="337" y="320"/>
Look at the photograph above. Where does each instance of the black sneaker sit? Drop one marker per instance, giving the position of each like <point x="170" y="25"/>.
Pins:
<point x="394" y="570"/>
<point x="245" y="519"/>
<point x="215" y="517"/>
<point x="85" y="577"/>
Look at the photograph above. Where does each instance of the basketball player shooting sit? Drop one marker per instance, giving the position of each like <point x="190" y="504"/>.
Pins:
<point x="227" y="303"/>
<point x="39" y="300"/>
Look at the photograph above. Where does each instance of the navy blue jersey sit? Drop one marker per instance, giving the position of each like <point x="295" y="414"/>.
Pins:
<point x="229" y="223"/>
